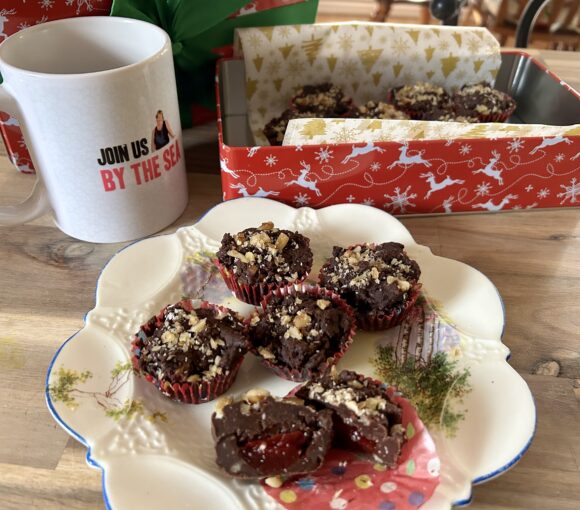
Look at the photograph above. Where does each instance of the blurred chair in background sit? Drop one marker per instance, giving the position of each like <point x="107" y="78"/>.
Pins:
<point x="557" y="25"/>
<point x="383" y="8"/>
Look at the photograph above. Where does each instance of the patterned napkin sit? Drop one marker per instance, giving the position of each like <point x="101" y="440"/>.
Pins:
<point x="326" y="131"/>
<point x="364" y="59"/>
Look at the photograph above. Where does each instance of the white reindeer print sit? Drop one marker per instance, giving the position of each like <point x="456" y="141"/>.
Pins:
<point x="406" y="160"/>
<point x="22" y="164"/>
<point x="548" y="142"/>
<point x="490" y="206"/>
<point x="11" y="122"/>
<point x="303" y="182"/>
<point x="4" y="19"/>
<point x="252" y="151"/>
<point x="436" y="186"/>
<point x="447" y="204"/>
<point x="490" y="170"/>
<point x="242" y="190"/>
<point x="359" y="151"/>
<point x="575" y="157"/>
<point x="224" y="168"/>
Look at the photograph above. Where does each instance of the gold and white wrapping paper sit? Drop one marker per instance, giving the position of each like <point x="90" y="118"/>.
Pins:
<point x="329" y="131"/>
<point x="364" y="59"/>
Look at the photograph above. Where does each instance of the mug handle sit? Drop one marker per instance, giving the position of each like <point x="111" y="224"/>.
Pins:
<point x="37" y="203"/>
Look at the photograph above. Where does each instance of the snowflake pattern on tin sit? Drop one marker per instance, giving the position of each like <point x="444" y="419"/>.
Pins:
<point x="270" y="160"/>
<point x="400" y="200"/>
<point x="570" y="192"/>
<point x="324" y="155"/>
<point x="465" y="149"/>
<point x="301" y="199"/>
<point x="515" y="145"/>
<point x="482" y="189"/>
<point x="543" y="193"/>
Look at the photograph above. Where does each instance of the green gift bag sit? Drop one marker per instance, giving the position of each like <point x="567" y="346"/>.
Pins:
<point x="202" y="32"/>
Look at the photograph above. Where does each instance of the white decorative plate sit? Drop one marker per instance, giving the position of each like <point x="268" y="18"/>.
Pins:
<point x="155" y="453"/>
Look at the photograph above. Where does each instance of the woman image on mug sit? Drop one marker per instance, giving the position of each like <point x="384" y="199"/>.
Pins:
<point x="161" y="132"/>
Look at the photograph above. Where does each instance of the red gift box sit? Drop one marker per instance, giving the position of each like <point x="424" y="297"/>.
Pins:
<point x="417" y="177"/>
<point x="15" y="15"/>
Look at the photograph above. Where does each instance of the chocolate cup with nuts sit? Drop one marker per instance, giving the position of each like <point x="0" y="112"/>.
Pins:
<point x="482" y="101"/>
<point x="255" y="261"/>
<point x="310" y="329"/>
<point x="261" y="436"/>
<point x="381" y="291"/>
<point x="191" y="351"/>
<point x="420" y="100"/>
<point x="366" y="417"/>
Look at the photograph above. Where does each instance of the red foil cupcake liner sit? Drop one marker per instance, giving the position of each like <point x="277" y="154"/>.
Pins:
<point x="497" y="117"/>
<point x="188" y="392"/>
<point x="252" y="294"/>
<point x="320" y="292"/>
<point x="381" y="321"/>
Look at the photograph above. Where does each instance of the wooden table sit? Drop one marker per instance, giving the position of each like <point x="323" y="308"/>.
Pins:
<point x="47" y="284"/>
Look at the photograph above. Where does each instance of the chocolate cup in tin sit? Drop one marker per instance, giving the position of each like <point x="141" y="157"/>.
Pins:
<point x="498" y="117"/>
<point x="188" y="392"/>
<point x="293" y="374"/>
<point x="252" y="294"/>
<point x="381" y="320"/>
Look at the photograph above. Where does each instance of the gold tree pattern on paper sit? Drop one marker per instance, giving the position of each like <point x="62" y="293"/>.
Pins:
<point x="331" y="62"/>
<point x="285" y="50"/>
<point x="311" y="48"/>
<point x="267" y="31"/>
<point x="448" y="65"/>
<point x="369" y="57"/>
<point x="258" y="62"/>
<point x="251" y="86"/>
<point x="314" y="127"/>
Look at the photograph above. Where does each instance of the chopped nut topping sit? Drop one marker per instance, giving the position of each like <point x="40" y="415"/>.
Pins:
<point x="221" y="404"/>
<point x="293" y="332"/>
<point x="199" y="326"/>
<point x="194" y="378"/>
<point x="323" y="304"/>
<point x="266" y="353"/>
<point x="302" y="320"/>
<point x="254" y="320"/>
<point x="260" y="240"/>
<point x="169" y="337"/>
<point x="282" y="241"/>
<point x="238" y="255"/>
<point x="267" y="225"/>
<point x="256" y="395"/>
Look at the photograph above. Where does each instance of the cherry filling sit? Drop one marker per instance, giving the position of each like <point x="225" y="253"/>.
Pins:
<point x="275" y="452"/>
<point x="349" y="437"/>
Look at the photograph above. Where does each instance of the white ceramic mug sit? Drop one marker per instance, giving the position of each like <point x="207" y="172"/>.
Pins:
<point x="97" y="103"/>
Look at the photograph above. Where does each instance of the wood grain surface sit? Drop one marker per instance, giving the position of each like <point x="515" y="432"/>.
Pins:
<point x="47" y="283"/>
